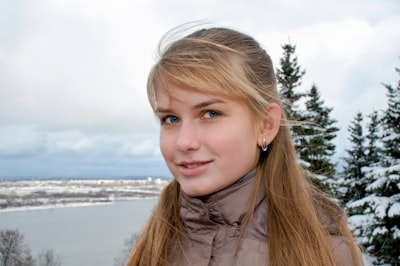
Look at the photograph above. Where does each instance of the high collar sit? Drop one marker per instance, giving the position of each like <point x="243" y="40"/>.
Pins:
<point x="226" y="207"/>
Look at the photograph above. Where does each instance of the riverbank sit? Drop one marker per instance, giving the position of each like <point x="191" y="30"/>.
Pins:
<point x="21" y="195"/>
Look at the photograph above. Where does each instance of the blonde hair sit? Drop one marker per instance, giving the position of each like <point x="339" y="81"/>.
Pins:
<point x="224" y="61"/>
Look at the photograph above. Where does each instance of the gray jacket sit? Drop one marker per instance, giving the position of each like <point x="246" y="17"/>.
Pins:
<point x="213" y="225"/>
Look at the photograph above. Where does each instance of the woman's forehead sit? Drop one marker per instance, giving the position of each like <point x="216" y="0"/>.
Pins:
<point x="167" y="84"/>
<point x="180" y="92"/>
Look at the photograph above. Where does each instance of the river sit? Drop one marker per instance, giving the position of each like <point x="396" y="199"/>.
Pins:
<point x="81" y="236"/>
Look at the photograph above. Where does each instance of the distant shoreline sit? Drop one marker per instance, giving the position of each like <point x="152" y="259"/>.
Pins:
<point x="53" y="178"/>
<point x="47" y="207"/>
<point x="68" y="205"/>
<point x="21" y="195"/>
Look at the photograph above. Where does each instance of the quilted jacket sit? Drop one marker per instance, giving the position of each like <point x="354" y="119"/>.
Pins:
<point x="213" y="226"/>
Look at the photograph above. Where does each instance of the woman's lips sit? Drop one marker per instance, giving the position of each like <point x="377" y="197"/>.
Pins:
<point x="193" y="168"/>
<point x="193" y="165"/>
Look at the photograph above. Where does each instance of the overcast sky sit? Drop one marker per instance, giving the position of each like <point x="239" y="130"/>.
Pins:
<point x="73" y="73"/>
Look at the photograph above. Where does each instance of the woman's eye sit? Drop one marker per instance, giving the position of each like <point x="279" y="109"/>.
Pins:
<point x="170" y="120"/>
<point x="211" y="114"/>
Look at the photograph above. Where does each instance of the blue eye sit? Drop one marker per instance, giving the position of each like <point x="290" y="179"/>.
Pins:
<point x="211" y="114"/>
<point x="170" y="120"/>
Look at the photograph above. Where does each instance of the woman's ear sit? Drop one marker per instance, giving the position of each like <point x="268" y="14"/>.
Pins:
<point x="270" y="123"/>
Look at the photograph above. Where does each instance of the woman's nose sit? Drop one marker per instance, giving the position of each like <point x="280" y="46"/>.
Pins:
<point x="188" y="138"/>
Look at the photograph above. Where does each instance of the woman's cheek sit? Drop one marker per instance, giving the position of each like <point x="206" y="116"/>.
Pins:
<point x="166" y="145"/>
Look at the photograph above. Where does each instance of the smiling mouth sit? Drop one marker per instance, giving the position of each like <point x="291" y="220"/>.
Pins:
<point x="192" y="165"/>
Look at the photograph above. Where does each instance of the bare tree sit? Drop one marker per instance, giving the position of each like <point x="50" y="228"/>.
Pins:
<point x="47" y="257"/>
<point x="129" y="243"/>
<point x="13" y="251"/>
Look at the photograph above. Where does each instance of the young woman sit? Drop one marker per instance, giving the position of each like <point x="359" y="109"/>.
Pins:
<point x="239" y="196"/>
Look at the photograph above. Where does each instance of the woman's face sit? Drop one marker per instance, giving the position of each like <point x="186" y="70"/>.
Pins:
<point x="208" y="141"/>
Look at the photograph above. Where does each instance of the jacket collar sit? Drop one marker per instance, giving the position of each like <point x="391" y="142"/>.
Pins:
<point x="226" y="207"/>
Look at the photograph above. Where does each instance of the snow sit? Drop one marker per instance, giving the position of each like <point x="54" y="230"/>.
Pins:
<point x="382" y="206"/>
<point x="379" y="230"/>
<point x="370" y="199"/>
<point x="396" y="233"/>
<point x="37" y="194"/>
<point x="394" y="210"/>
<point x="51" y="206"/>
<point x="394" y="177"/>
<point x="365" y="219"/>
<point x="377" y="184"/>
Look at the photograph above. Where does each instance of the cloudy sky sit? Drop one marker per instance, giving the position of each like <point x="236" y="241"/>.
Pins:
<point x="73" y="73"/>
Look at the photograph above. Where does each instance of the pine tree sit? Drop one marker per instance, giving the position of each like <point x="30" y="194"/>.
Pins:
<point x="357" y="198"/>
<point x="311" y="126"/>
<point x="374" y="149"/>
<point x="392" y="121"/>
<point x="355" y="160"/>
<point x="383" y="238"/>
<point x="317" y="135"/>
<point x="378" y="225"/>
<point x="289" y="77"/>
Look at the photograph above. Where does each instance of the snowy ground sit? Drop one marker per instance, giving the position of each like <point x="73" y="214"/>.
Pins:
<point x="33" y="194"/>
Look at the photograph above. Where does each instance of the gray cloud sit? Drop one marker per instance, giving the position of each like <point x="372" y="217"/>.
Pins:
<point x="73" y="73"/>
<point x="20" y="141"/>
<point x="28" y="151"/>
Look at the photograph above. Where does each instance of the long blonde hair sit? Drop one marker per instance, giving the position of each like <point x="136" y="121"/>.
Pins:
<point x="225" y="61"/>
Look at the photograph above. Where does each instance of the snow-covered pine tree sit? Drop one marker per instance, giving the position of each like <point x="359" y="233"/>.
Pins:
<point x="311" y="126"/>
<point x="378" y="227"/>
<point x="316" y="146"/>
<point x="318" y="133"/>
<point x="354" y="182"/>
<point x="357" y="198"/>
<point x="289" y="77"/>
<point x="374" y="136"/>
<point x="382" y="237"/>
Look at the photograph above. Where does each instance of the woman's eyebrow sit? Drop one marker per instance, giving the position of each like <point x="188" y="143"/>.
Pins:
<point x="207" y="103"/>
<point x="163" y="110"/>
<point x="197" y="106"/>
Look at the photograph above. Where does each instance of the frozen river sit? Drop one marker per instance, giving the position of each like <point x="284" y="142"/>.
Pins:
<point x="82" y="236"/>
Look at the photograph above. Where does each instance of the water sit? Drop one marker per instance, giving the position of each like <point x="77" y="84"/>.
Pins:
<point x="82" y="236"/>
